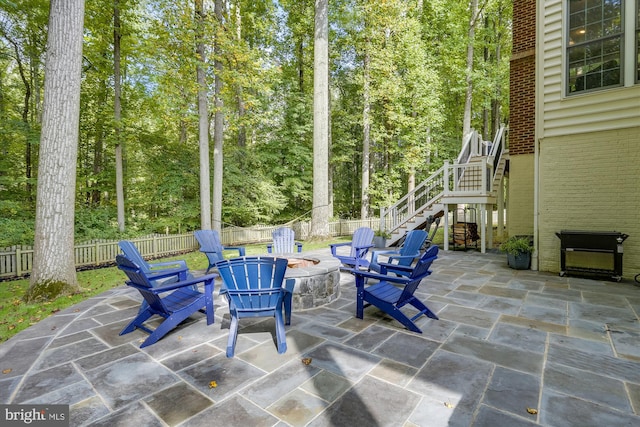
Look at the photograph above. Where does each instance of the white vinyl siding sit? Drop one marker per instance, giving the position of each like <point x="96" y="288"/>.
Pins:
<point x="594" y="111"/>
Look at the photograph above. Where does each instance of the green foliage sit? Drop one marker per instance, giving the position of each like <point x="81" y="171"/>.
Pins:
<point x="417" y="86"/>
<point x="516" y="245"/>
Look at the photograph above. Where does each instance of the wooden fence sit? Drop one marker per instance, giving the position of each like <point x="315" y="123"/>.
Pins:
<point x="17" y="261"/>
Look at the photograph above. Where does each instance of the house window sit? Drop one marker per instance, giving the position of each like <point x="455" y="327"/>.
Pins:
<point x="594" y="44"/>
<point x="638" y="42"/>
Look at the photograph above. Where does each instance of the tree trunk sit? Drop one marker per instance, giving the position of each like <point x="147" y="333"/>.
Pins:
<point x="366" y="131"/>
<point x="218" y="124"/>
<point x="117" y="115"/>
<point x="203" y="116"/>
<point x="466" y="122"/>
<point x="242" y="130"/>
<point x="319" y="216"/>
<point x="54" y="271"/>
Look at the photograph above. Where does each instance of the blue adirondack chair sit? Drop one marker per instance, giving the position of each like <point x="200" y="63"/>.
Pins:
<point x="359" y="246"/>
<point x="405" y="255"/>
<point x="173" y="271"/>
<point x="284" y="242"/>
<point x="179" y="267"/>
<point x="174" y="301"/>
<point x="253" y="288"/>
<point x="391" y="293"/>
<point x="211" y="246"/>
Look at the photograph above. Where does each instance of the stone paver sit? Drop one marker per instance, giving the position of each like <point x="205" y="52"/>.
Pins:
<point x="507" y="341"/>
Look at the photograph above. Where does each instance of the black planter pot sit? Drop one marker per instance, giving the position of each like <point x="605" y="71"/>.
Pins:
<point x="521" y="261"/>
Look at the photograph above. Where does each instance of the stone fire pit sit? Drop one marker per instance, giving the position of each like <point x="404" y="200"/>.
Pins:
<point x="317" y="279"/>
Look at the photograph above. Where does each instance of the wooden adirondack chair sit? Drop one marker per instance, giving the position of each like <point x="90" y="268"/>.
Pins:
<point x="405" y="255"/>
<point x="253" y="287"/>
<point x="359" y="246"/>
<point x="211" y="246"/>
<point x="180" y="299"/>
<point x="391" y="293"/>
<point x="284" y="242"/>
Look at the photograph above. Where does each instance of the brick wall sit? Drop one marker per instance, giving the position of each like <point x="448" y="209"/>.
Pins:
<point x="589" y="181"/>
<point x="522" y="79"/>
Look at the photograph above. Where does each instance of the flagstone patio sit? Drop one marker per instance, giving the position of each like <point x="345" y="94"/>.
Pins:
<point x="511" y="348"/>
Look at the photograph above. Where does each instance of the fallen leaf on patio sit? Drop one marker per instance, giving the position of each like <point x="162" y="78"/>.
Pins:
<point x="532" y="411"/>
<point x="213" y="384"/>
<point x="6" y="371"/>
<point x="306" y="360"/>
<point x="179" y="337"/>
<point x="448" y="405"/>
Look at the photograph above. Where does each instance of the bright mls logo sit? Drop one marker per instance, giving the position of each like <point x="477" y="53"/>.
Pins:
<point x="34" y="415"/>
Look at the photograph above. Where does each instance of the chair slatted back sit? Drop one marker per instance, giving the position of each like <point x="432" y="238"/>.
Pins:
<point x="132" y="253"/>
<point x="283" y="240"/>
<point x="253" y="283"/>
<point x="412" y="245"/>
<point x="138" y="277"/>
<point x="363" y="236"/>
<point x="420" y="271"/>
<point x="210" y="243"/>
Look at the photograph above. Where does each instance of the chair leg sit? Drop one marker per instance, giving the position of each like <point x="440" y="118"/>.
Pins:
<point x="137" y="322"/>
<point x="287" y="300"/>
<point x="169" y="324"/>
<point x="360" y="297"/>
<point x="423" y="309"/>
<point x="280" y="333"/>
<point x="400" y="317"/>
<point x="233" y="335"/>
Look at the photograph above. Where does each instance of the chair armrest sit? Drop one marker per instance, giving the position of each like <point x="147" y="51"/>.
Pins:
<point x="374" y="255"/>
<point x="161" y="274"/>
<point x="240" y="249"/>
<point x="340" y="244"/>
<point x="334" y="246"/>
<point x="207" y="279"/>
<point x="387" y="267"/>
<point x="367" y="247"/>
<point x="361" y="274"/>
<point x="181" y="263"/>
<point x="394" y="257"/>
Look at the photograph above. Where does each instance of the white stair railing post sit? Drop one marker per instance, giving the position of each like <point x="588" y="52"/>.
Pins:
<point x="445" y="173"/>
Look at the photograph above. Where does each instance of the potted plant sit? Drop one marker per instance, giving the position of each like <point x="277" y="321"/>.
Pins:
<point x="518" y="249"/>
<point x="380" y="238"/>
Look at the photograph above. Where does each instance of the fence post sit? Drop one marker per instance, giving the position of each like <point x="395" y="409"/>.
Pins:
<point x="18" y="266"/>
<point x="154" y="246"/>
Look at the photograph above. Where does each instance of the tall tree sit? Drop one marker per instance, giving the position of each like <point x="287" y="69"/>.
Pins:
<point x="474" y="15"/>
<point x="117" y="110"/>
<point x="320" y="214"/>
<point x="218" y="122"/>
<point x="54" y="259"/>
<point x="366" y="130"/>
<point x="203" y="120"/>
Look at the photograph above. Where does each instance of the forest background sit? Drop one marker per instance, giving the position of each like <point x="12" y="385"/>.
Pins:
<point x="401" y="75"/>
